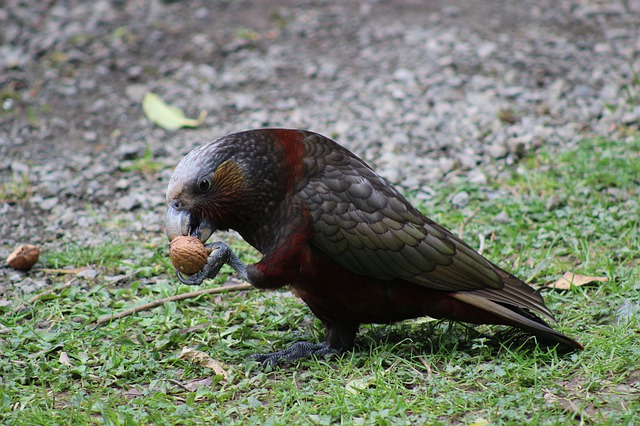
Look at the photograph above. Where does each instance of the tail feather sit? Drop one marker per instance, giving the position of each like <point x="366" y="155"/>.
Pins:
<point x="511" y="317"/>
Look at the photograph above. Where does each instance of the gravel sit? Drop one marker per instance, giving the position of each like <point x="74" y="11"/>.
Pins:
<point x="425" y="91"/>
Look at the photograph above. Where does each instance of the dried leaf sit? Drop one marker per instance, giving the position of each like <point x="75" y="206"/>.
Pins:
<point x="166" y="116"/>
<point x="569" y="278"/>
<point x="64" y="359"/>
<point x="193" y="385"/>
<point x="204" y="360"/>
<point x="133" y="393"/>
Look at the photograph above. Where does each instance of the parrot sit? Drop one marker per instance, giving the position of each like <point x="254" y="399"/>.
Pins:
<point x="341" y="237"/>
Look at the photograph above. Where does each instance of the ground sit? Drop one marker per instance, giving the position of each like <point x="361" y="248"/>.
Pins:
<point x="431" y="93"/>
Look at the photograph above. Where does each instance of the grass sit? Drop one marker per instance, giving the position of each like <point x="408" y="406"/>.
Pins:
<point x="16" y="189"/>
<point x="57" y="368"/>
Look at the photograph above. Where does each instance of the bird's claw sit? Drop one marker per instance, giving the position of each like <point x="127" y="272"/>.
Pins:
<point x="220" y="254"/>
<point x="294" y="352"/>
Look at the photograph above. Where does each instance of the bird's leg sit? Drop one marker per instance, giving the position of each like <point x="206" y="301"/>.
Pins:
<point x="294" y="352"/>
<point x="220" y="254"/>
<point x="339" y="338"/>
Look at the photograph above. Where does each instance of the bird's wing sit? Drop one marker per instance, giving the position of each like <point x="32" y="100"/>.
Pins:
<point x="366" y="226"/>
<point x="379" y="235"/>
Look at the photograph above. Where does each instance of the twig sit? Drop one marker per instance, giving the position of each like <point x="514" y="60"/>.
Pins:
<point x="52" y="289"/>
<point x="467" y="220"/>
<point x="46" y="292"/>
<point x="156" y="303"/>
<point x="426" y="365"/>
<point x="481" y="238"/>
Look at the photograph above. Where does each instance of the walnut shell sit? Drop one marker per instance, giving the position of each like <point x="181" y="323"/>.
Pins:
<point x="188" y="254"/>
<point x="24" y="257"/>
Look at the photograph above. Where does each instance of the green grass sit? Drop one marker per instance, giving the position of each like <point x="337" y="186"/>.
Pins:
<point x="16" y="189"/>
<point x="143" y="165"/>
<point x="128" y="372"/>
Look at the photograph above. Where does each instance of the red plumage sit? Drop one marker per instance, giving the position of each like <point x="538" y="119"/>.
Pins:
<point x="345" y="240"/>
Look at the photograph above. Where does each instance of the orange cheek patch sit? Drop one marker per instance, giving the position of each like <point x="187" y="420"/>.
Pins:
<point x="229" y="178"/>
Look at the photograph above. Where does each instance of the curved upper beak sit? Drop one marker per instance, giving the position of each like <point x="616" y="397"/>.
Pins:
<point x="180" y="221"/>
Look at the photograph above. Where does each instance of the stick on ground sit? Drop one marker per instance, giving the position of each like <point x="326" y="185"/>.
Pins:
<point x="159" y="302"/>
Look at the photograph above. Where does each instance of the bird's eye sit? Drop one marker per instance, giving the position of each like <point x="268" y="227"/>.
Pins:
<point x="204" y="185"/>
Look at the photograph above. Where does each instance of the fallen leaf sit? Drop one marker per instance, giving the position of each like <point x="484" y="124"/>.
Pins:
<point x="356" y="385"/>
<point x="570" y="279"/>
<point x="193" y="385"/>
<point x="132" y="393"/>
<point x="203" y="360"/>
<point x="479" y="422"/>
<point x="166" y="116"/>
<point x="64" y="359"/>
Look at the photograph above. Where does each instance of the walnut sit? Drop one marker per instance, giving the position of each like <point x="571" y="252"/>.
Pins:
<point x="24" y="257"/>
<point x="188" y="254"/>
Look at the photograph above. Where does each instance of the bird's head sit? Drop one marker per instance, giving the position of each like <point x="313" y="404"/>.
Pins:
<point x="230" y="183"/>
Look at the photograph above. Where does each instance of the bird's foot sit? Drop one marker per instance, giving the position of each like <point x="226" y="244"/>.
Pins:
<point x="220" y="254"/>
<point x="296" y="351"/>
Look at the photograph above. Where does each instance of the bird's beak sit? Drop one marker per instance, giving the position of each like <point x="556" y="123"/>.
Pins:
<point x="179" y="222"/>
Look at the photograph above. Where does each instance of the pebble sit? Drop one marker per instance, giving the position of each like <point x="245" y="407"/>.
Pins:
<point x="554" y="202"/>
<point x="497" y="150"/>
<point x="128" y="202"/>
<point x="460" y="199"/>
<point x="502" y="218"/>
<point x="122" y="184"/>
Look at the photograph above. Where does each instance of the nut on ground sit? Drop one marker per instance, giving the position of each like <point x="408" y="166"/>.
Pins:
<point x="188" y="254"/>
<point x="24" y="257"/>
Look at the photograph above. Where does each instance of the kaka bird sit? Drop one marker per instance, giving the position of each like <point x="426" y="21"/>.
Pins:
<point x="345" y="240"/>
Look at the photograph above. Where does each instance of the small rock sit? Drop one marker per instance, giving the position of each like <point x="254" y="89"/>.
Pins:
<point x="122" y="184"/>
<point x="446" y="164"/>
<point x="468" y="160"/>
<point x="404" y="75"/>
<point x="502" y="217"/>
<point x="129" y="152"/>
<point x="129" y="202"/>
<point x="485" y="49"/>
<point x="627" y="311"/>
<point x="88" y="273"/>
<point x="136" y="92"/>
<point x="477" y="176"/>
<point x="497" y="150"/>
<point x="516" y="147"/>
<point x="90" y="136"/>
<point x="554" y="202"/>
<point x="460" y="200"/>
<point x="134" y="72"/>
<point x="20" y="169"/>
<point x="48" y="203"/>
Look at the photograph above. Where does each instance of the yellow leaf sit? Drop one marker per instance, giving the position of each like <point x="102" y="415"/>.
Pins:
<point x="569" y="278"/>
<point x="166" y="116"/>
<point x="479" y="422"/>
<point x="204" y="360"/>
